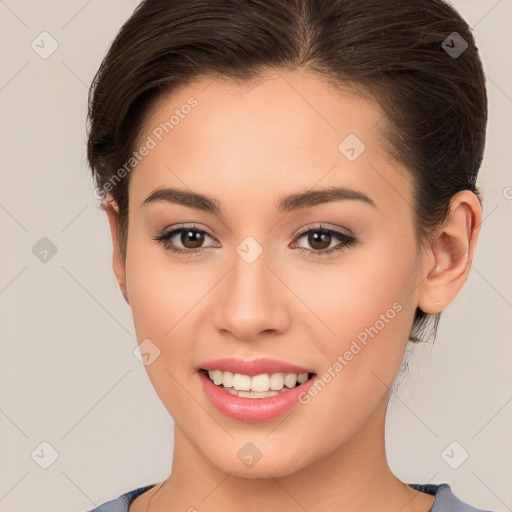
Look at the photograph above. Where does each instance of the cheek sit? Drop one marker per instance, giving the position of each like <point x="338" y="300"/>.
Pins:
<point x="362" y="307"/>
<point x="161" y="292"/>
<point x="166" y="297"/>
<point x="161" y="298"/>
<point x="365" y="315"/>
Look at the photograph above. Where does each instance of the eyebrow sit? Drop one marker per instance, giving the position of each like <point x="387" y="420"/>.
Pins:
<point x="287" y="204"/>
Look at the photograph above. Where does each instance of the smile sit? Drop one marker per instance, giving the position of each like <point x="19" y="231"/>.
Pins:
<point x="258" y="386"/>
<point x="253" y="390"/>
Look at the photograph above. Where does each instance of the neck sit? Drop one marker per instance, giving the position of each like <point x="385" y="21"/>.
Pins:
<point x="355" y="477"/>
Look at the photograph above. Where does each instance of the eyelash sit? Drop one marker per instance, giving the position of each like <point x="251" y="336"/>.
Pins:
<point x="346" y="241"/>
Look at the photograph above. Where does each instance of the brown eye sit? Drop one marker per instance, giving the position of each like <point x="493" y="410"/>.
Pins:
<point x="185" y="240"/>
<point x="192" y="239"/>
<point x="320" y="240"/>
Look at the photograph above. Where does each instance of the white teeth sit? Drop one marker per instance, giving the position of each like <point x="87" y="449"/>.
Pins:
<point x="242" y="382"/>
<point x="227" y="379"/>
<point x="277" y="381"/>
<point x="260" y="382"/>
<point x="217" y="377"/>
<point x="290" y="380"/>
<point x="256" y="394"/>
<point x="258" y="386"/>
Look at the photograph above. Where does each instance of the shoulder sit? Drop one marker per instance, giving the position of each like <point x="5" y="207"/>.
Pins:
<point x="124" y="501"/>
<point x="445" y="499"/>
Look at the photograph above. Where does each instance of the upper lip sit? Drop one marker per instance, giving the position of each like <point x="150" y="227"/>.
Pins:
<point x="252" y="367"/>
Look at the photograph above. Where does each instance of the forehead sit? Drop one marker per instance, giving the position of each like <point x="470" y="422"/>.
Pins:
<point x="282" y="132"/>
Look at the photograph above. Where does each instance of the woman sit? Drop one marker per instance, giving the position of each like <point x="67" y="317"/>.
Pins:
<point x="291" y="193"/>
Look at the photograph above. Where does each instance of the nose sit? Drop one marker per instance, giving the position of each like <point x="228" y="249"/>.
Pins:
<point x="251" y="304"/>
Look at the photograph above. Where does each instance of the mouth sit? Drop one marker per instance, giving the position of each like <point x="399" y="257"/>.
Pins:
<point x="263" y="385"/>
<point x="254" y="390"/>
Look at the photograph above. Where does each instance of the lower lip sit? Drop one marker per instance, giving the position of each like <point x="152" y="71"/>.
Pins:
<point x="252" y="409"/>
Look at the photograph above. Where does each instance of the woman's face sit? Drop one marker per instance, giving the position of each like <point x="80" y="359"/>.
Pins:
<point x="251" y="284"/>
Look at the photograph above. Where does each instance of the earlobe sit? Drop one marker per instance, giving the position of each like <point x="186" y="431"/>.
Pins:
<point x="118" y="263"/>
<point x="452" y="251"/>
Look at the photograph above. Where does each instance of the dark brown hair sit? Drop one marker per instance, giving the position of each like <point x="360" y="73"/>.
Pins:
<point x="402" y="53"/>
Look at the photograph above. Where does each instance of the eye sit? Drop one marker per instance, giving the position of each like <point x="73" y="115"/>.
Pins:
<point x="321" y="240"/>
<point x="192" y="239"/>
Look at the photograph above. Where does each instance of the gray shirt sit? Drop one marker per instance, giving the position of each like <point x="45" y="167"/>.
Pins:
<point x="445" y="500"/>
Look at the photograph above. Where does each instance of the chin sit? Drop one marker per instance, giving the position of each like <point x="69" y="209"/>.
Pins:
<point x="279" y="464"/>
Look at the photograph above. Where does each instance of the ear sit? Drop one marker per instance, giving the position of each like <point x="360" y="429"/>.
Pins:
<point x="451" y="253"/>
<point x="118" y="264"/>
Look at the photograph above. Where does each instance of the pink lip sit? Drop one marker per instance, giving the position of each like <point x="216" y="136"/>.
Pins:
<point x="252" y="409"/>
<point x="252" y="367"/>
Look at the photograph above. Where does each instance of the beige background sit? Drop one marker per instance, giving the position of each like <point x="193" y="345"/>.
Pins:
<point x="68" y="376"/>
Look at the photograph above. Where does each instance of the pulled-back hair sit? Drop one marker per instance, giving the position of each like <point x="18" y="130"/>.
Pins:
<point x="403" y="53"/>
